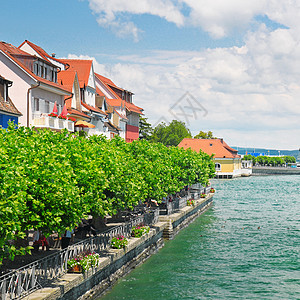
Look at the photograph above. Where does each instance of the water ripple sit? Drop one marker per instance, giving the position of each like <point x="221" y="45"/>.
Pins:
<point x="245" y="247"/>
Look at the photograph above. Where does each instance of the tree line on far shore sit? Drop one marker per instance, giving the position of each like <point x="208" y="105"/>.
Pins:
<point x="169" y="134"/>
<point x="51" y="180"/>
<point x="270" y="160"/>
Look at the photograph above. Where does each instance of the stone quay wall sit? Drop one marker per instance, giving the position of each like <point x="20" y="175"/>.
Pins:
<point x="275" y="171"/>
<point x="116" y="263"/>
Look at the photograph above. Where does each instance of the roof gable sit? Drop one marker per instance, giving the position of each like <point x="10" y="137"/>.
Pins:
<point x="40" y="52"/>
<point x="83" y="68"/>
<point x="210" y="146"/>
<point x="19" y="56"/>
<point x="66" y="78"/>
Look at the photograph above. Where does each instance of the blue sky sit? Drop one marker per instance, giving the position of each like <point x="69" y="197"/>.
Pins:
<point x="239" y="59"/>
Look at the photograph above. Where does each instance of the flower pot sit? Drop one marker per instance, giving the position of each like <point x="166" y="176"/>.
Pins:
<point x="75" y="269"/>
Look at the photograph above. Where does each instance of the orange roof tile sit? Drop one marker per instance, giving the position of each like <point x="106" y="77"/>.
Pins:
<point x="40" y="51"/>
<point x="99" y="92"/>
<point x="105" y="80"/>
<point x="11" y="49"/>
<point x="129" y="106"/>
<point x="66" y="78"/>
<point x="13" y="53"/>
<point x="210" y="146"/>
<point x="92" y="108"/>
<point x="117" y="101"/>
<point x="82" y="67"/>
<point x="133" y="108"/>
<point x="74" y="111"/>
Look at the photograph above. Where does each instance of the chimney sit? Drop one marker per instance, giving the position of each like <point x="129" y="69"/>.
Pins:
<point x="221" y="139"/>
<point x="53" y="54"/>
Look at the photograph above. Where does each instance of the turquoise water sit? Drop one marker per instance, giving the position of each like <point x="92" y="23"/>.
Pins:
<point x="245" y="247"/>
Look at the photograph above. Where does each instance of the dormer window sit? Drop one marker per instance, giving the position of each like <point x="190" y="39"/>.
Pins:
<point x="36" y="69"/>
<point x="210" y="145"/>
<point x="53" y="76"/>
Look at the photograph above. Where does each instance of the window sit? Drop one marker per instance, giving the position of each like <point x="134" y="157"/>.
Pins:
<point x="36" y="69"/>
<point x="47" y="106"/>
<point x="41" y="71"/>
<point x="218" y="167"/>
<point x="36" y="104"/>
<point x="45" y="72"/>
<point x="53" y="76"/>
<point x="3" y="91"/>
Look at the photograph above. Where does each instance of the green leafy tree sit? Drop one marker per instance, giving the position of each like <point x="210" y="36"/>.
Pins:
<point x="289" y="159"/>
<point x="172" y="134"/>
<point x="145" y="129"/>
<point x="204" y="135"/>
<point x="51" y="180"/>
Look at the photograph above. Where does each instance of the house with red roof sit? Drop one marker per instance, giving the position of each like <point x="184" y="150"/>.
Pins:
<point x="77" y="76"/>
<point x="35" y="90"/>
<point x="87" y="85"/>
<point x="69" y="79"/>
<point x="124" y="113"/>
<point x="36" y="50"/>
<point x="228" y="163"/>
<point x="109" y="107"/>
<point x="8" y="111"/>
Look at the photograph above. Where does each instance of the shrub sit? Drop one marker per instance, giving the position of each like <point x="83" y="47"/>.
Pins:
<point x="85" y="260"/>
<point x="119" y="242"/>
<point x="139" y="230"/>
<point x="190" y="202"/>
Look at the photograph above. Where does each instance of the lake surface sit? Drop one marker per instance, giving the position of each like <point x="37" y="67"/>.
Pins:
<point x="246" y="246"/>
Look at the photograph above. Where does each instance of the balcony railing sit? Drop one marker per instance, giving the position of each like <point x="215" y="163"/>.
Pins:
<point x="44" y="121"/>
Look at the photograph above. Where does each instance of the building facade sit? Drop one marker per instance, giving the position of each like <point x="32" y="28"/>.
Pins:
<point x="8" y="111"/>
<point x="228" y="163"/>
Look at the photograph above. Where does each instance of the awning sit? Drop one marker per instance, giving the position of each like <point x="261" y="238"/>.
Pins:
<point x="84" y="124"/>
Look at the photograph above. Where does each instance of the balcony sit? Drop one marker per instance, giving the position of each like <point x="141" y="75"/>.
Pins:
<point x="45" y="121"/>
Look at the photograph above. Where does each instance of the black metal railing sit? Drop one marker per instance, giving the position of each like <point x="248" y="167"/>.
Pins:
<point x="23" y="281"/>
<point x="173" y="204"/>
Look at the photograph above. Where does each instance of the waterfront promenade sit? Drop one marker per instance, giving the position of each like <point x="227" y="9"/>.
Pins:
<point x="113" y="263"/>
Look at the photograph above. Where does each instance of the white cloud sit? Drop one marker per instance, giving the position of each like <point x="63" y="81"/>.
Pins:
<point x="111" y="13"/>
<point x="248" y="102"/>
<point x="220" y="17"/>
<point x="251" y="92"/>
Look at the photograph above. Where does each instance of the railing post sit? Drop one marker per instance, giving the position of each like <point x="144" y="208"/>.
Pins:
<point x="3" y="290"/>
<point x="66" y="259"/>
<point x="32" y="283"/>
<point x="45" y="270"/>
<point x="19" y="284"/>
